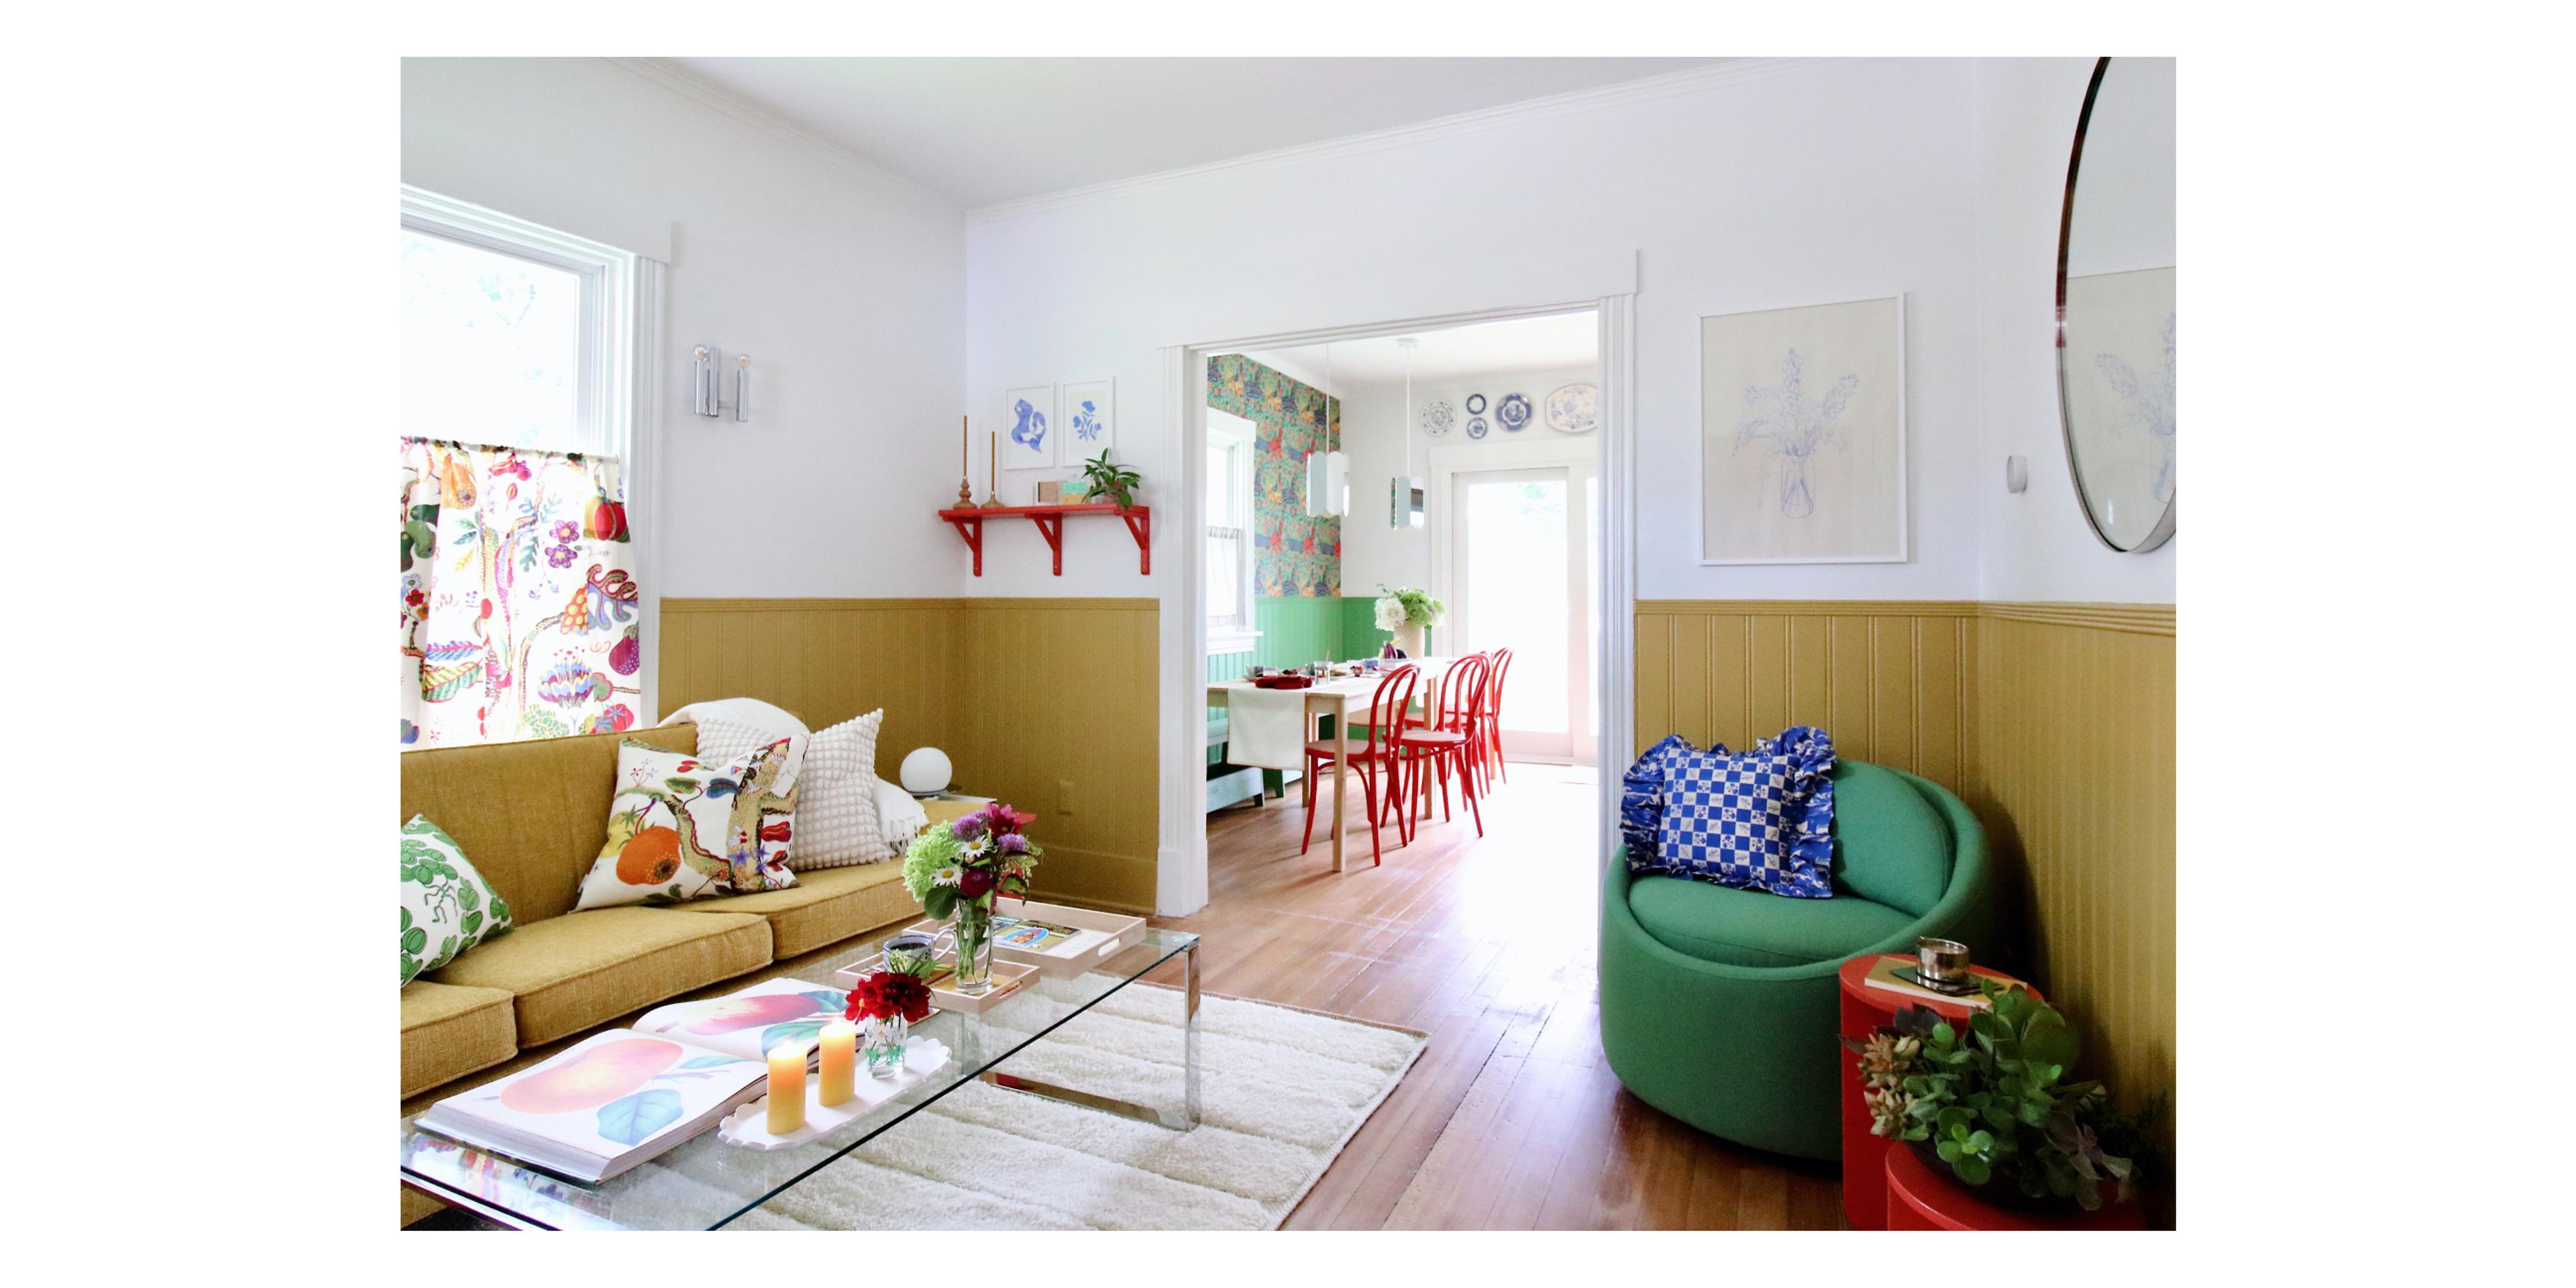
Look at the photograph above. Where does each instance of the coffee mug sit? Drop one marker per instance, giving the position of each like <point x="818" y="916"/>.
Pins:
<point x="918" y="946"/>
<point x="1941" y="961"/>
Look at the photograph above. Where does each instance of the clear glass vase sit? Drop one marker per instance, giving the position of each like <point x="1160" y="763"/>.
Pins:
<point x="974" y="930"/>
<point x="881" y="1044"/>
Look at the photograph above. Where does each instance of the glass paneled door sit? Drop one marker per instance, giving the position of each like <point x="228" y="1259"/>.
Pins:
<point x="1522" y="546"/>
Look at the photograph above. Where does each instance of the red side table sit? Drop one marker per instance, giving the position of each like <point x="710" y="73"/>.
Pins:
<point x="1864" y="1009"/>
<point x="1920" y="1198"/>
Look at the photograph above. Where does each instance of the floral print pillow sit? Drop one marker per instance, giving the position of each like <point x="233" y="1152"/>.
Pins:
<point x="683" y="828"/>
<point x="447" y="906"/>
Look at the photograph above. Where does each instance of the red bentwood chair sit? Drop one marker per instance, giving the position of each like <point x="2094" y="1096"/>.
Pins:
<point x="1489" y="730"/>
<point x="1449" y="739"/>
<point x="1386" y="724"/>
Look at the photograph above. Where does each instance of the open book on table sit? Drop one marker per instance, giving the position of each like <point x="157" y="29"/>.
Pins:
<point x="618" y="1098"/>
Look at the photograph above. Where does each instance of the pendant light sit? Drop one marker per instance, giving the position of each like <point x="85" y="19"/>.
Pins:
<point x="1404" y="492"/>
<point x="1328" y="472"/>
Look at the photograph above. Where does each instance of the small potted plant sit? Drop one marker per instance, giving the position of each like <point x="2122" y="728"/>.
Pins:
<point x="1404" y="611"/>
<point x="1102" y="481"/>
<point x="1994" y="1108"/>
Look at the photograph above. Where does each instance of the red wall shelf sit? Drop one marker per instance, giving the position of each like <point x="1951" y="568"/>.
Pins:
<point x="1050" y="520"/>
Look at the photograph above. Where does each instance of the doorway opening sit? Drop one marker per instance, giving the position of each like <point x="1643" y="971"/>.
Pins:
<point x="1495" y="425"/>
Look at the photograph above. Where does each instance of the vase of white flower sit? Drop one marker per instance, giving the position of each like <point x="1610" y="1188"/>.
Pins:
<point x="959" y="870"/>
<point x="1404" y="612"/>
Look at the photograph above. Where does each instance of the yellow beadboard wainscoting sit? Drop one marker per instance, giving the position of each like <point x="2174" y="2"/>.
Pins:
<point x="1893" y="682"/>
<point x="2055" y="722"/>
<point x="2076" y="784"/>
<point x="1047" y="703"/>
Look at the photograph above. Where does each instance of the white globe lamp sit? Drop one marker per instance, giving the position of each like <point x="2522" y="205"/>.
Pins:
<point x="926" y="772"/>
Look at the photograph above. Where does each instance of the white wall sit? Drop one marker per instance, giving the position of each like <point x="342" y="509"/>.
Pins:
<point x="846" y="287"/>
<point x="2036" y="544"/>
<point x="1372" y="552"/>
<point x="1793" y="185"/>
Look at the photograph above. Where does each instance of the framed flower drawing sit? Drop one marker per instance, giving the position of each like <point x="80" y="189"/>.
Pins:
<point x="1802" y="435"/>
<point x="1090" y="420"/>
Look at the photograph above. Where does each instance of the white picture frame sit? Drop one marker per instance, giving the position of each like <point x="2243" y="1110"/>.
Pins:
<point x="1028" y="411"/>
<point x="1089" y="423"/>
<point x="1802" y="435"/>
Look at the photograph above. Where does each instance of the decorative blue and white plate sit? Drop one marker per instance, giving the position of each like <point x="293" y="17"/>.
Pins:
<point x="1575" y="409"/>
<point x="1476" y="427"/>
<point x="1439" y="418"/>
<point x="1514" y="412"/>
<point x="1475" y="404"/>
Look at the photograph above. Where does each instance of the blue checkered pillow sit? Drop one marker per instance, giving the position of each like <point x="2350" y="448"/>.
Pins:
<point x="1762" y="820"/>
<point x="1641" y="801"/>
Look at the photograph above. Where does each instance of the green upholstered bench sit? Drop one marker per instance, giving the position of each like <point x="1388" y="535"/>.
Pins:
<point x="1719" y="1006"/>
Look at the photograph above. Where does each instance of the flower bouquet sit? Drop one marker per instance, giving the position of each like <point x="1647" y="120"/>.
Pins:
<point x="886" y="1005"/>
<point x="1404" y="611"/>
<point x="958" y="871"/>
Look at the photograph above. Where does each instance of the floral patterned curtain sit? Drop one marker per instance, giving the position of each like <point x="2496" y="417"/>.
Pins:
<point x="519" y="616"/>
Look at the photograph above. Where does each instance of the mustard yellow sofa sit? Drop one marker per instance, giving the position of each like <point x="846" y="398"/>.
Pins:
<point x="531" y="817"/>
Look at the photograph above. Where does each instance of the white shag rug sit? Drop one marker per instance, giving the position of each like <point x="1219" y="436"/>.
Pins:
<point x="1281" y="1091"/>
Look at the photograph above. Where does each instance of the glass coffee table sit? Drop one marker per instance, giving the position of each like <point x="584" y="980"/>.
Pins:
<point x="722" y="1182"/>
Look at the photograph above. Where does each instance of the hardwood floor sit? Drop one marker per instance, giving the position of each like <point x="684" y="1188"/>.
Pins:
<point x="1512" y="1119"/>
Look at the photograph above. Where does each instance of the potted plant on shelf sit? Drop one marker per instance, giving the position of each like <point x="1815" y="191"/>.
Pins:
<point x="958" y="871"/>
<point x="1405" y="611"/>
<point x="1102" y="481"/>
<point x="1995" y="1110"/>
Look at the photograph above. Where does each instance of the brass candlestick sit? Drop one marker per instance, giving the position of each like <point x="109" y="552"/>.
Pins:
<point x="992" y="476"/>
<point x="965" y="487"/>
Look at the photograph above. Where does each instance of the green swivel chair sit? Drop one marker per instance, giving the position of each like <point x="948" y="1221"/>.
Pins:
<point x="1720" y="1006"/>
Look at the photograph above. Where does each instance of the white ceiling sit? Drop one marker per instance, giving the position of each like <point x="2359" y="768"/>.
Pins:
<point x="988" y="130"/>
<point x="1463" y="353"/>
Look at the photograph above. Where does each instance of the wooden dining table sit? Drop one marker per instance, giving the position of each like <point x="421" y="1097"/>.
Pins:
<point x="1339" y="697"/>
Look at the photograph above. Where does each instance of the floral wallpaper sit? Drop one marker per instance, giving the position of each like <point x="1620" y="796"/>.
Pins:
<point x="1294" y="555"/>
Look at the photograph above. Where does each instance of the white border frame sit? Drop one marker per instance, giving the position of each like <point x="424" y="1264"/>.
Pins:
<point x="1181" y="881"/>
<point x="1904" y="458"/>
<point x="625" y="386"/>
<point x="1064" y="421"/>
<point x="1054" y="452"/>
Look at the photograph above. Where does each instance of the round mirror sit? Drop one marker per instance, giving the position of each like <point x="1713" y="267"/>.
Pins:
<point x="2115" y="304"/>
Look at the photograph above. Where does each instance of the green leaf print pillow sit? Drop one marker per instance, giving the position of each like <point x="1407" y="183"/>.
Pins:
<point x="447" y="906"/>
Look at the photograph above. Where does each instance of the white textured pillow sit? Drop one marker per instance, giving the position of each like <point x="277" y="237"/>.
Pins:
<point x="836" y="799"/>
<point x="899" y="816"/>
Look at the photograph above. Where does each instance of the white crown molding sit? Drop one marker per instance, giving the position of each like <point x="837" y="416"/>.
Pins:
<point x="1672" y="85"/>
<point x="707" y="93"/>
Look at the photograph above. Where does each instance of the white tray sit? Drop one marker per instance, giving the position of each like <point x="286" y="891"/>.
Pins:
<point x="1007" y="979"/>
<point x="1110" y="932"/>
<point x="749" y="1125"/>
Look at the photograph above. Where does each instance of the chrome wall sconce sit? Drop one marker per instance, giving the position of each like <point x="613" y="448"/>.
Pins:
<point x="710" y="391"/>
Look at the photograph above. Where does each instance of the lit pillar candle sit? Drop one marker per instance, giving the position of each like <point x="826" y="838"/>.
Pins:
<point x="786" y="1088"/>
<point x="840" y="1060"/>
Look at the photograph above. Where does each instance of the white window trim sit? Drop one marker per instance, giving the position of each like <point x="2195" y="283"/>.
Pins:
<point x="621" y="398"/>
<point x="1238" y="637"/>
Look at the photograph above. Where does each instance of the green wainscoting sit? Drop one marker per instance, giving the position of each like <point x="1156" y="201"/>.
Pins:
<point x="1295" y="631"/>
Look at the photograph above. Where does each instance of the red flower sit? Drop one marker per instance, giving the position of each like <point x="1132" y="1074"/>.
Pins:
<point x="889" y="993"/>
<point x="974" y="883"/>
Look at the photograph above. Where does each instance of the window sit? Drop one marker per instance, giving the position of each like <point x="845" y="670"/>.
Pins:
<point x="1229" y="533"/>
<point x="493" y="347"/>
<point x="514" y="334"/>
<point x="525" y="353"/>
